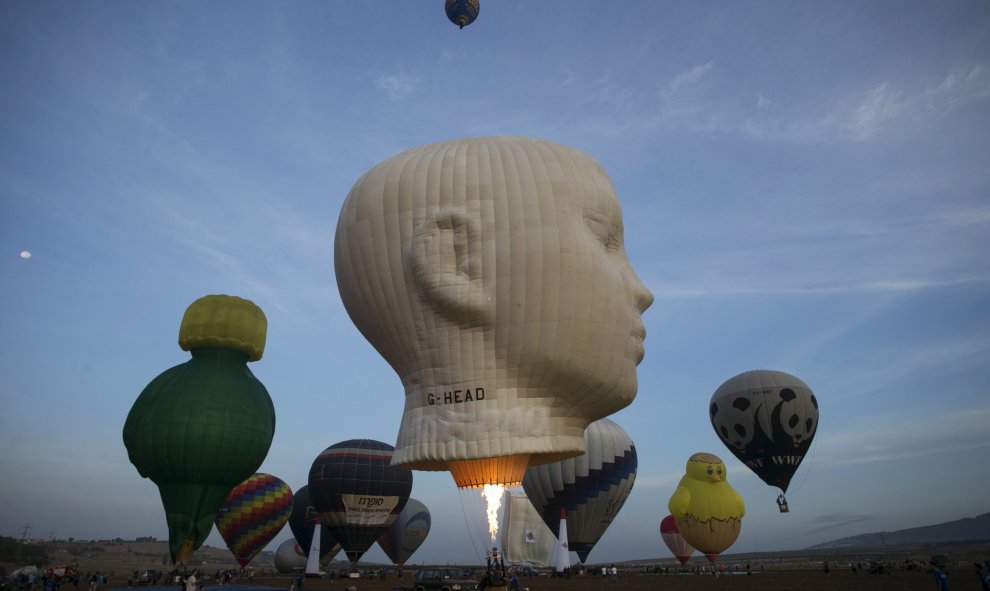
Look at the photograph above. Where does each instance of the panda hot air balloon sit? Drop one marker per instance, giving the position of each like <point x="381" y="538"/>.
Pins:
<point x="253" y="514"/>
<point x="406" y="533"/>
<point x="357" y="492"/>
<point x="767" y="419"/>
<point x="303" y="522"/>
<point x="591" y="488"/>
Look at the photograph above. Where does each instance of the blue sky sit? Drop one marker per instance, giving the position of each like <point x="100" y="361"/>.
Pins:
<point x="805" y="188"/>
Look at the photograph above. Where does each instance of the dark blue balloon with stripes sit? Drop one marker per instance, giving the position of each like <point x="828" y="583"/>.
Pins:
<point x="462" y="12"/>
<point x="357" y="492"/>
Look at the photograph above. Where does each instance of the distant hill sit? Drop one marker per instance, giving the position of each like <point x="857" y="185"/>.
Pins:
<point x="968" y="529"/>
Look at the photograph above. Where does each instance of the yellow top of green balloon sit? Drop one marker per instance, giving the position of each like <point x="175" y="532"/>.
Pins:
<point x="227" y="322"/>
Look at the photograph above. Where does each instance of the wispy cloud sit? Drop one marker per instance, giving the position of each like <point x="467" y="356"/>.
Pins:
<point x="397" y="86"/>
<point x="906" y="435"/>
<point x="685" y="80"/>
<point x="702" y="99"/>
<point x="863" y="115"/>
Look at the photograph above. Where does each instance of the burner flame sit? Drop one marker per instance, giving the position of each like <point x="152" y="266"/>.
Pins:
<point x="492" y="494"/>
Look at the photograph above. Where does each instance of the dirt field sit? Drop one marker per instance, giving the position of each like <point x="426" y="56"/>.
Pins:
<point x="797" y="580"/>
<point x="795" y="570"/>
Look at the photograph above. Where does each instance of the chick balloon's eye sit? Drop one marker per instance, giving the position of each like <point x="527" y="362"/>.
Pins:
<point x="709" y="470"/>
<point x="720" y="470"/>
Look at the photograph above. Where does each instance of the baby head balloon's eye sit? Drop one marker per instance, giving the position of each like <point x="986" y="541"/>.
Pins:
<point x="606" y="230"/>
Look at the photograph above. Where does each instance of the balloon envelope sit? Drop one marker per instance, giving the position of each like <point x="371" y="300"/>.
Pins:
<point x="303" y="522"/>
<point x="357" y="492"/>
<point x="592" y="487"/>
<point x="767" y="419"/>
<point x="289" y="558"/>
<point x="462" y="12"/>
<point x="253" y="514"/>
<point x="204" y="426"/>
<point x="707" y="509"/>
<point x="674" y="540"/>
<point x="406" y="533"/>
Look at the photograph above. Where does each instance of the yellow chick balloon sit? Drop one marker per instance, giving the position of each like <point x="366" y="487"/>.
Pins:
<point x="708" y="511"/>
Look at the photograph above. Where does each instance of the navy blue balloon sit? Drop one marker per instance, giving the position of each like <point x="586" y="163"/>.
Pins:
<point x="462" y="12"/>
<point x="358" y="492"/>
<point x="303" y="523"/>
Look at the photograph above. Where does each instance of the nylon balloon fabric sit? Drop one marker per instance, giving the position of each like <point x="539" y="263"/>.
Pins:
<point x="708" y="511"/>
<point x="592" y="487"/>
<point x="672" y="537"/>
<point x="304" y="521"/>
<point x="490" y="274"/>
<point x="204" y="426"/>
<point x="767" y="419"/>
<point x="253" y="514"/>
<point x="357" y="492"/>
<point x="462" y="12"/>
<point x="406" y="533"/>
<point x="289" y="557"/>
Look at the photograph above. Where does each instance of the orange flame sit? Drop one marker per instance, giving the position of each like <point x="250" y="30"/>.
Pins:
<point x="493" y="499"/>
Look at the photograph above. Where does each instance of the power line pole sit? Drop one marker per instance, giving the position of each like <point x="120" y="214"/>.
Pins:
<point x="24" y="533"/>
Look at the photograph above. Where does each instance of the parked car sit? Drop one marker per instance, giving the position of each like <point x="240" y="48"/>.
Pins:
<point x="444" y="579"/>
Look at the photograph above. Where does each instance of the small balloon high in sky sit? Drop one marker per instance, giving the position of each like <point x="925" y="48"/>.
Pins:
<point x="462" y="12"/>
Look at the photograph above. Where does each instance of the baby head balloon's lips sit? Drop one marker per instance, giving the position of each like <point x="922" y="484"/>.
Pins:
<point x="639" y="336"/>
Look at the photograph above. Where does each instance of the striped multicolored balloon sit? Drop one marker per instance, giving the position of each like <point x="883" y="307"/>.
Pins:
<point x="254" y="512"/>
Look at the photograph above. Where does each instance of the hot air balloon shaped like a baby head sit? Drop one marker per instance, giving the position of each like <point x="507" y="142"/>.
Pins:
<point x="201" y="428"/>
<point x="491" y="274"/>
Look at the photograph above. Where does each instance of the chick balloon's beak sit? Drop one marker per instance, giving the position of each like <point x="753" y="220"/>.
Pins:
<point x="715" y="478"/>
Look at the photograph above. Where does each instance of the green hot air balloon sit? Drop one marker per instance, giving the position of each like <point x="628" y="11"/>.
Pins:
<point x="201" y="428"/>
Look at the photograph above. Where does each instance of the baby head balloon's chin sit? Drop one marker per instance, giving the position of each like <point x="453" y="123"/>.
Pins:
<point x="491" y="274"/>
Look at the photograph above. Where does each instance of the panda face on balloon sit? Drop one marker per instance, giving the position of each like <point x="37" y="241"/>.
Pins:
<point x="734" y="422"/>
<point x="798" y="416"/>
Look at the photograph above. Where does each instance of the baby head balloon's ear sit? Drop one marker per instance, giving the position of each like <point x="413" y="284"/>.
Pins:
<point x="445" y="256"/>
